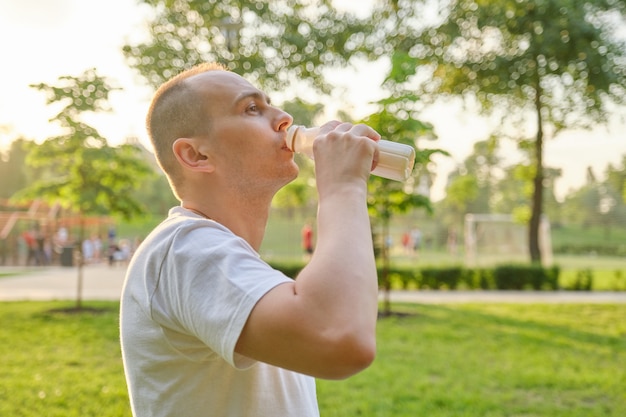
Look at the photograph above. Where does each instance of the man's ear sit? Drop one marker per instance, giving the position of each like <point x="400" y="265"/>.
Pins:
<point x="190" y="156"/>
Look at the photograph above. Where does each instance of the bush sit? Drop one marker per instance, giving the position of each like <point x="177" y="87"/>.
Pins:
<point x="503" y="277"/>
<point x="438" y="278"/>
<point x="619" y="281"/>
<point x="583" y="281"/>
<point x="520" y="277"/>
<point x="479" y="278"/>
<point x="403" y="278"/>
<point x="591" y="249"/>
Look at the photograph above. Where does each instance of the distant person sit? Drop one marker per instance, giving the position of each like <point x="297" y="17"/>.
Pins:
<point x="406" y="242"/>
<point x="88" y="250"/>
<point x="416" y="238"/>
<point x="112" y="252"/>
<point x="28" y="236"/>
<point x="207" y="327"/>
<point x="307" y="239"/>
<point x="62" y="236"/>
<point x="97" y="248"/>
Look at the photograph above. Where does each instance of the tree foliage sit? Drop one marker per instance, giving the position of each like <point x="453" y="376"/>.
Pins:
<point x="598" y="203"/>
<point x="79" y="169"/>
<point x="13" y="173"/>
<point x="556" y="63"/>
<point x="616" y="179"/>
<point x="273" y="42"/>
<point x="387" y="197"/>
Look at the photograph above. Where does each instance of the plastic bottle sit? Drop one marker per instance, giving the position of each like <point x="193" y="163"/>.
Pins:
<point x="395" y="161"/>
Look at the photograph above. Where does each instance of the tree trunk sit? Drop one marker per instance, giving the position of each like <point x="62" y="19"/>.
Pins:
<point x="537" y="199"/>
<point x="385" y="270"/>
<point x="80" y="261"/>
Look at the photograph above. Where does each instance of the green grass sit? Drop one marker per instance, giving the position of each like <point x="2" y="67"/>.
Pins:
<point x="449" y="360"/>
<point x="60" y="364"/>
<point x="583" y="236"/>
<point x="491" y="360"/>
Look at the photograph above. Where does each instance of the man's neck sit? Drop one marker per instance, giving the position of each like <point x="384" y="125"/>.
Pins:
<point x="246" y="219"/>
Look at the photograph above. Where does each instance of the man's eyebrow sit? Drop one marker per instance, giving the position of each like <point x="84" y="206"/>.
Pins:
<point x="257" y="95"/>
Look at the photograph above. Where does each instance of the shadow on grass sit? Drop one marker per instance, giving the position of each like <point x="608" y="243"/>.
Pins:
<point x="79" y="310"/>
<point x="400" y="314"/>
<point x="87" y="310"/>
<point x="537" y="328"/>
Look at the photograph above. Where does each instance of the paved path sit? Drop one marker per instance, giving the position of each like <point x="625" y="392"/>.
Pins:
<point x="102" y="282"/>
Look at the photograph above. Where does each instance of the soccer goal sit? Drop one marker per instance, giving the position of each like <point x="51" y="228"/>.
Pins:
<point x="497" y="238"/>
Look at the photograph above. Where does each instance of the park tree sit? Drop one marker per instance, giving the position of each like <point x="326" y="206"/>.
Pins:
<point x="515" y="187"/>
<point x="80" y="171"/>
<point x="598" y="202"/>
<point x="541" y="66"/>
<point x="483" y="163"/>
<point x="616" y="179"/>
<point x="387" y="197"/>
<point x="470" y="185"/>
<point x="13" y="174"/>
<point x="275" y="43"/>
<point x="581" y="205"/>
<point x="462" y="191"/>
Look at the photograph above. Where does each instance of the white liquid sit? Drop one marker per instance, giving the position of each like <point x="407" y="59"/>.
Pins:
<point x="395" y="161"/>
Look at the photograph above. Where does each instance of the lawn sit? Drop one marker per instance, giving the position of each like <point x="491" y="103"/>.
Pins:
<point x="479" y="360"/>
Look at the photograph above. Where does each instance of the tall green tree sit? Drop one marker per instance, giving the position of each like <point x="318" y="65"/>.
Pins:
<point x="387" y="197"/>
<point x="273" y="42"/>
<point x="470" y="185"/>
<point x="80" y="170"/>
<point x="616" y="179"/>
<point x="515" y="188"/>
<point x="553" y="64"/>
<point x="462" y="191"/>
<point x="13" y="175"/>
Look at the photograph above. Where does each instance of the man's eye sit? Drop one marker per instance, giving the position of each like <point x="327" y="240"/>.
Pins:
<point x="253" y="107"/>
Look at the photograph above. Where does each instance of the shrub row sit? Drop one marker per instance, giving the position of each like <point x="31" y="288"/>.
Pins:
<point x="595" y="250"/>
<point x="503" y="277"/>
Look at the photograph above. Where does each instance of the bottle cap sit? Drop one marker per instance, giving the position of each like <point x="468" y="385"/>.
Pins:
<point x="292" y="134"/>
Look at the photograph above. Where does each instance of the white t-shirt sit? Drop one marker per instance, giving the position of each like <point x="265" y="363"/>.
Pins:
<point x="189" y="290"/>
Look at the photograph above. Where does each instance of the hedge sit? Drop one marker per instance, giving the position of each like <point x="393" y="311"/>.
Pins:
<point x="502" y="277"/>
<point x="600" y="250"/>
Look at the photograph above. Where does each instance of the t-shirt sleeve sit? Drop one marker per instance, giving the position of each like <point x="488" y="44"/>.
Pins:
<point x="209" y="282"/>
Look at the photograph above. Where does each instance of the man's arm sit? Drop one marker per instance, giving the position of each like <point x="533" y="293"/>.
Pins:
<point x="324" y="323"/>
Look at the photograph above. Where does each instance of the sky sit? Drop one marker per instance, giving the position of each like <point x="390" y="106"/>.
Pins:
<point x="41" y="40"/>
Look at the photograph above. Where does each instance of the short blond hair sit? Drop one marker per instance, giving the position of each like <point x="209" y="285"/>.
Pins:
<point x="177" y="111"/>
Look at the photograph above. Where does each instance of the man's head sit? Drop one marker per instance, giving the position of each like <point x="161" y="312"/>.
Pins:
<point x="208" y="120"/>
<point x="177" y="110"/>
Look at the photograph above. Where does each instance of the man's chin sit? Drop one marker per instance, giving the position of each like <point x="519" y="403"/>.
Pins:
<point x="294" y="176"/>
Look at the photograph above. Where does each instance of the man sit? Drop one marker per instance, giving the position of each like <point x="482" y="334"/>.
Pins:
<point x="208" y="328"/>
